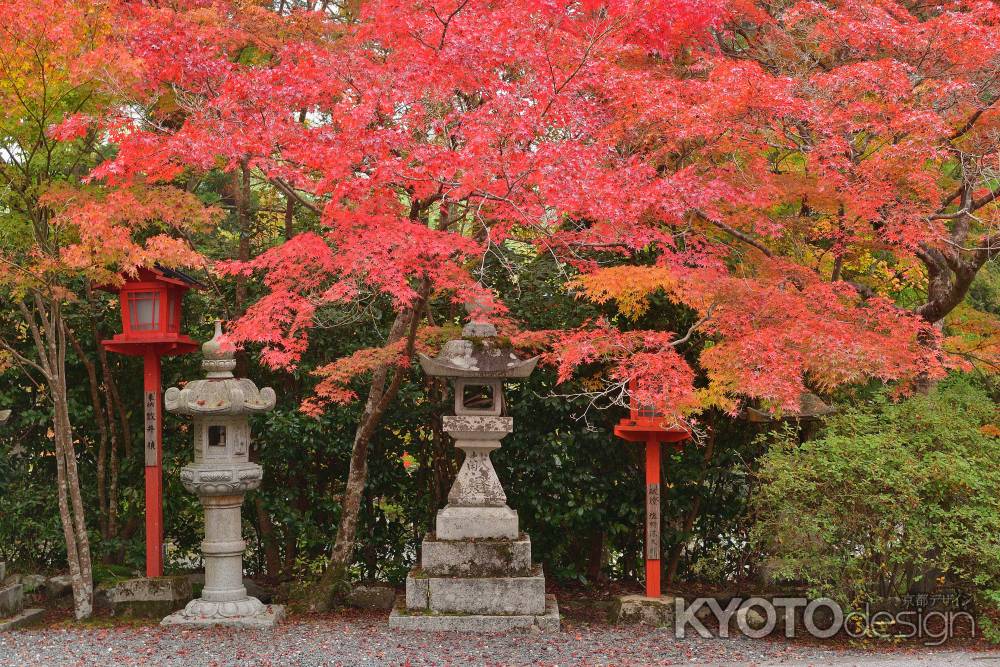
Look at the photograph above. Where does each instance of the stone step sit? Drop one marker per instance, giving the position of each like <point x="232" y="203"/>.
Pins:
<point x="11" y="599"/>
<point x="458" y="522"/>
<point x="476" y="558"/>
<point x="402" y="618"/>
<point x="477" y="595"/>
<point x="23" y="618"/>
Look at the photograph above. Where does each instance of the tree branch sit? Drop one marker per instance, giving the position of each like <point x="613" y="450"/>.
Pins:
<point x="694" y="327"/>
<point x="732" y="231"/>
<point x="968" y="125"/>
<point x="21" y="359"/>
<point x="289" y="191"/>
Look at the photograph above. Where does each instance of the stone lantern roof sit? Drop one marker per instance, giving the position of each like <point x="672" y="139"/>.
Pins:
<point x="479" y="353"/>
<point x="811" y="407"/>
<point x="219" y="393"/>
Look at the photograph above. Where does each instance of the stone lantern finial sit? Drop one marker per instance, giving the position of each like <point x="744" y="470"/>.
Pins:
<point x="479" y="325"/>
<point x="218" y="356"/>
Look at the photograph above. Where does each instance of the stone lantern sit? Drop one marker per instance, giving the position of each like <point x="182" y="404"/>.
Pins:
<point x="476" y="572"/>
<point x="220" y="475"/>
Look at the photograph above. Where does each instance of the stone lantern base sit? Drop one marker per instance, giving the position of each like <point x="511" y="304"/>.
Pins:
<point x="246" y="613"/>
<point x="476" y="573"/>
<point x="476" y="585"/>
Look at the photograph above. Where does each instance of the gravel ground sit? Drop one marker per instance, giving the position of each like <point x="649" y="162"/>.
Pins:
<point x="366" y="640"/>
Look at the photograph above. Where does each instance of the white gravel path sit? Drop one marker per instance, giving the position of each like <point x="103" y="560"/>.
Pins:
<point x="366" y="640"/>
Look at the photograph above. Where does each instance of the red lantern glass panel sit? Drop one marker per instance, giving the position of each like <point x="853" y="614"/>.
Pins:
<point x="144" y="311"/>
<point x="172" y="311"/>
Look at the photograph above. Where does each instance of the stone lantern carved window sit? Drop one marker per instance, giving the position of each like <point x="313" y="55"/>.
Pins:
<point x="217" y="436"/>
<point x="478" y="397"/>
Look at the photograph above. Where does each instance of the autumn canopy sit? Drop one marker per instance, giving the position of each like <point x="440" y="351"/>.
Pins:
<point x="725" y="154"/>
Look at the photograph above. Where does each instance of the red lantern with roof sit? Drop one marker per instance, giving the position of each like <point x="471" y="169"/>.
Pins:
<point x="151" y="312"/>
<point x="649" y="425"/>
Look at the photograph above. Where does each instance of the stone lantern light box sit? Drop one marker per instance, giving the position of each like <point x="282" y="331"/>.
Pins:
<point x="220" y="439"/>
<point x="478" y="397"/>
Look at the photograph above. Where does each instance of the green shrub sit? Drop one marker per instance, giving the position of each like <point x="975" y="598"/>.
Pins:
<point x="891" y="495"/>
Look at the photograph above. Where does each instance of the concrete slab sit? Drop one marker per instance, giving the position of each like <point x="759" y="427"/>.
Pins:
<point x="644" y="610"/>
<point x="21" y="619"/>
<point x="149" y="596"/>
<point x="476" y="558"/>
<point x="404" y="619"/>
<point x="372" y="597"/>
<point x="11" y="599"/>
<point x="457" y="522"/>
<point x="56" y="587"/>
<point x="418" y="590"/>
<point x="32" y="582"/>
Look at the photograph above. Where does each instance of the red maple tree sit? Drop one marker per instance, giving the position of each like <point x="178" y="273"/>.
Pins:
<point x="815" y="181"/>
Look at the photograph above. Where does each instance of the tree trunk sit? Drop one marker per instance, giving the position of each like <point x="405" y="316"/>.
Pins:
<point x="52" y="344"/>
<point x="244" y="217"/>
<point x="924" y="384"/>
<point x="242" y="195"/>
<point x="595" y="557"/>
<point x="272" y="557"/>
<point x="333" y="583"/>
<point x="71" y="512"/>
<point x="112" y="410"/>
<point x="113" y="464"/>
<point x="289" y="218"/>
<point x="102" y="427"/>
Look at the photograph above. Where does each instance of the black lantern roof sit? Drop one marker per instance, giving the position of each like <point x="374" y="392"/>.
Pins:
<point x="174" y="274"/>
<point x="811" y="407"/>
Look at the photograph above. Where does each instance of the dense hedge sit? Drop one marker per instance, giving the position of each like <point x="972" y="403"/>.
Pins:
<point x="892" y="497"/>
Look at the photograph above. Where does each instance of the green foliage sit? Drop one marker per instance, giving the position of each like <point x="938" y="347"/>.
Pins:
<point x="984" y="292"/>
<point x="30" y="533"/>
<point x="891" y="496"/>
<point x="31" y="536"/>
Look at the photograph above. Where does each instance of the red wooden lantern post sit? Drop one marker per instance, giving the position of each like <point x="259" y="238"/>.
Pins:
<point x="645" y="424"/>
<point x="151" y="325"/>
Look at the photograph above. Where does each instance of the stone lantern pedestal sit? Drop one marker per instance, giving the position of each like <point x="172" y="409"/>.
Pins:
<point x="476" y="572"/>
<point x="221" y="475"/>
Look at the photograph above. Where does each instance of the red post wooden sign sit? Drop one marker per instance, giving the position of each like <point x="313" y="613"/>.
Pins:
<point x="647" y="426"/>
